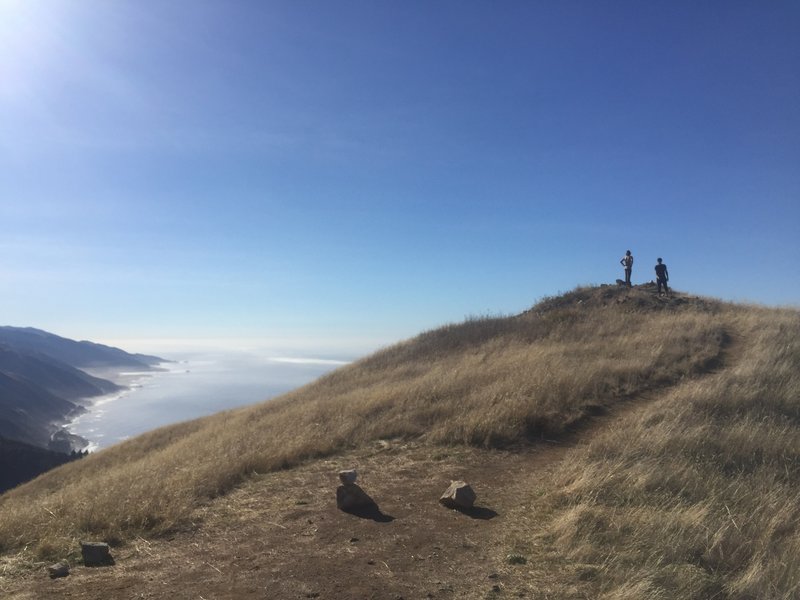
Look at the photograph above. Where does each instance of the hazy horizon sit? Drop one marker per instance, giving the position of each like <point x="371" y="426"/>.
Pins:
<point x="198" y="383"/>
<point x="276" y="349"/>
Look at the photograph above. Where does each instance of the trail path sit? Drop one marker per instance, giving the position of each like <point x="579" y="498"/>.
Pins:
<point x="281" y="536"/>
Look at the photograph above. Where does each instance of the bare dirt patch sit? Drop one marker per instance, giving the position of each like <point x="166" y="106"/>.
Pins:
<point x="281" y="536"/>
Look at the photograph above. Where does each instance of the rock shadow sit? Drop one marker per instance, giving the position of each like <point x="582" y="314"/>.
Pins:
<point x="478" y="512"/>
<point x="350" y="498"/>
<point x="370" y="511"/>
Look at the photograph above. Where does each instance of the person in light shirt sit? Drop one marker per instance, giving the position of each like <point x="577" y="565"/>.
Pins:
<point x="627" y="262"/>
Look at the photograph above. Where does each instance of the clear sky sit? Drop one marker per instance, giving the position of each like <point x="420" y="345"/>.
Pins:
<point x="337" y="175"/>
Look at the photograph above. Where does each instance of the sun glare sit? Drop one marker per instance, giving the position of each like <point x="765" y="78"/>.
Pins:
<point x="23" y="45"/>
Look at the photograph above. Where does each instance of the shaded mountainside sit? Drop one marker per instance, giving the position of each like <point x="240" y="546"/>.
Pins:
<point x="689" y="491"/>
<point x="38" y="394"/>
<point x="42" y="384"/>
<point x="55" y="376"/>
<point x="81" y="354"/>
<point x="29" y="412"/>
<point x="22" y="462"/>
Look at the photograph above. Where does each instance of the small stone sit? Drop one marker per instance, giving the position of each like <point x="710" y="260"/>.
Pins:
<point x="60" y="569"/>
<point x="348" y="476"/>
<point x="458" y="495"/>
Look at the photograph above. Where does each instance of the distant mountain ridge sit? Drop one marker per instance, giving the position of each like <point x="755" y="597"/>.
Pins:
<point x="55" y="376"/>
<point x="42" y="382"/>
<point x="83" y="354"/>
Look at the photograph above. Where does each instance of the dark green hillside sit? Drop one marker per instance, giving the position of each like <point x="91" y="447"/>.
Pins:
<point x="22" y="462"/>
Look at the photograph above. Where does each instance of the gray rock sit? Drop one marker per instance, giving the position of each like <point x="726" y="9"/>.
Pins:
<point x="60" y="569"/>
<point x="458" y="495"/>
<point x="96" y="554"/>
<point x="348" y="476"/>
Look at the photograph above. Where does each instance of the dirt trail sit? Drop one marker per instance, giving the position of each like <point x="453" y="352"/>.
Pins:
<point x="281" y="536"/>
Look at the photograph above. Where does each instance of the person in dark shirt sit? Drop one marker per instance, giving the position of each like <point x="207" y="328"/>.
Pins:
<point x="662" y="276"/>
<point x="627" y="262"/>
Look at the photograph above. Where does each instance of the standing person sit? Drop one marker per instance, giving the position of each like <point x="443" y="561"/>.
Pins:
<point x="627" y="262"/>
<point x="662" y="276"/>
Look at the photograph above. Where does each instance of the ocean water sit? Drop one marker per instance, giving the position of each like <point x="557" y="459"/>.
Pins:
<point x="193" y="386"/>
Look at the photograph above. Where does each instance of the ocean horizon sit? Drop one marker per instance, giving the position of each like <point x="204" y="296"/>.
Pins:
<point x="190" y="386"/>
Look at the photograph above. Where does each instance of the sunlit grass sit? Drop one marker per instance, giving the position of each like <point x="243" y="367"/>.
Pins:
<point x="695" y="496"/>
<point x="698" y="496"/>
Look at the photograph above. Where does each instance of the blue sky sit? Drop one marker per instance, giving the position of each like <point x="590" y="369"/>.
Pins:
<point x="334" y="176"/>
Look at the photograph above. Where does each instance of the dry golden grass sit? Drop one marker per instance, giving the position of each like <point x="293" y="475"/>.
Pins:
<point x="698" y="491"/>
<point x="698" y="496"/>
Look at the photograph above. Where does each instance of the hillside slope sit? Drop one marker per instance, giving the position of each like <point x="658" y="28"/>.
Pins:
<point x="688" y="491"/>
<point x="38" y="394"/>
<point x="21" y="462"/>
<point x="83" y="354"/>
<point x="42" y="383"/>
<point x="58" y="378"/>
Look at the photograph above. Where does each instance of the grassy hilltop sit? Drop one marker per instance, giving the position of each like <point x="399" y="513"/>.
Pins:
<point x="677" y="476"/>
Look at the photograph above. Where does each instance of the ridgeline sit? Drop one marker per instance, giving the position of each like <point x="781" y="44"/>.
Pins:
<point x="622" y="445"/>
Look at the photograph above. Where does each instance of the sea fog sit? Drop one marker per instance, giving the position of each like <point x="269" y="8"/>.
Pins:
<point x="194" y="385"/>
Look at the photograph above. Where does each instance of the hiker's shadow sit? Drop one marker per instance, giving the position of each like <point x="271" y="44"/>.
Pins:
<point x="477" y="512"/>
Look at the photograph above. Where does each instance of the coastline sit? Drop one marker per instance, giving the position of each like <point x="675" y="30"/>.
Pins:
<point x="191" y="386"/>
<point x="128" y="382"/>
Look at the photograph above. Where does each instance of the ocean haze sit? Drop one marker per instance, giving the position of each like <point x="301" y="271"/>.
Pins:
<point x="196" y="384"/>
